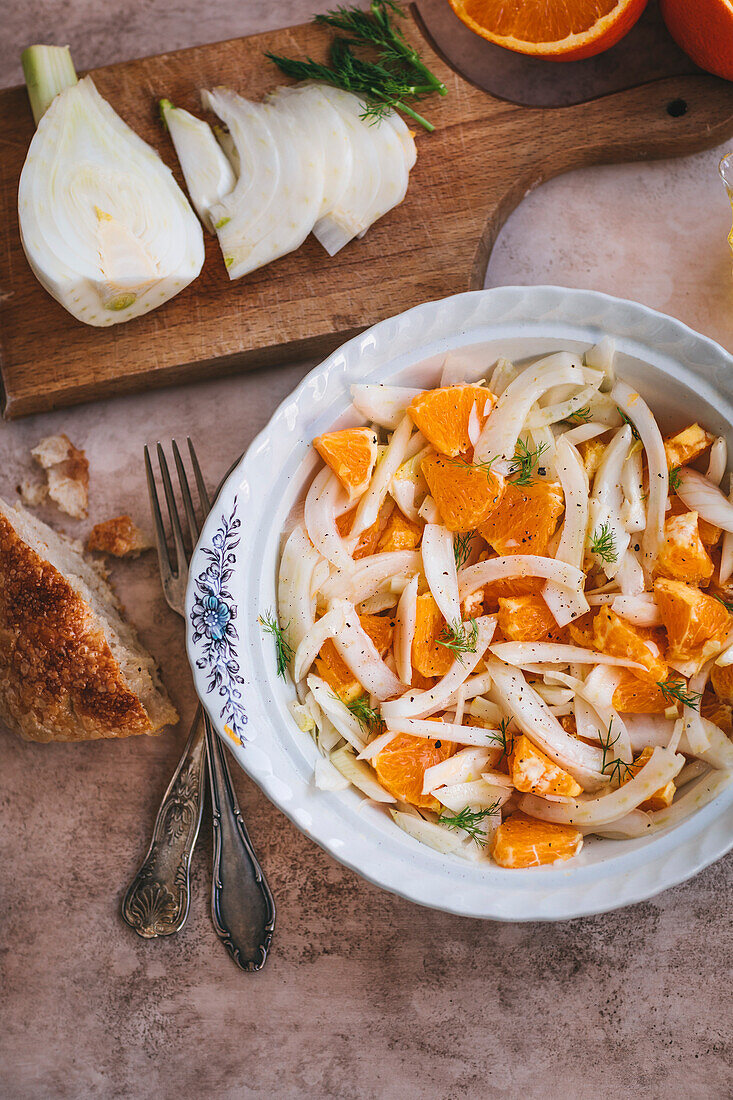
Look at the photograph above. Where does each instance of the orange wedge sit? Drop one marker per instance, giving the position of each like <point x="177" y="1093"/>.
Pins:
<point x="533" y="770"/>
<point x="401" y="767"/>
<point x="351" y="454"/>
<point x="565" y="31"/>
<point x="522" y="841"/>
<point x="696" y="623"/>
<point x="525" y="519"/>
<point x="466" y="495"/>
<point x="442" y="415"/>
<point x="428" y="656"/>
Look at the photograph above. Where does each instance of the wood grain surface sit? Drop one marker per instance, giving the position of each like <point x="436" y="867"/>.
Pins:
<point x="485" y="155"/>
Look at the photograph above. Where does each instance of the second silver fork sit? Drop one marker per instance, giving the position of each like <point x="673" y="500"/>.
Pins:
<point x="157" y="901"/>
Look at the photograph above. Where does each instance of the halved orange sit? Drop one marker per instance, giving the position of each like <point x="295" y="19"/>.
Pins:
<point x="615" y="636"/>
<point x="428" y="657"/>
<point x="334" y="670"/>
<point x="522" y="841"/>
<point x="442" y="415"/>
<point x="696" y="623"/>
<point x="565" y="31"/>
<point x="351" y="454"/>
<point x="525" y="519"/>
<point x="465" y="495"/>
<point x="682" y="554"/>
<point x="528" y="619"/>
<point x="401" y="767"/>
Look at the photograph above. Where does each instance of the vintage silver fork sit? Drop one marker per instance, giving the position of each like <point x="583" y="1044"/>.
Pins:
<point x="157" y="901"/>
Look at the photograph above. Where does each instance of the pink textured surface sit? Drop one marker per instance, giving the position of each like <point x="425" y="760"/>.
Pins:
<point x="365" y="995"/>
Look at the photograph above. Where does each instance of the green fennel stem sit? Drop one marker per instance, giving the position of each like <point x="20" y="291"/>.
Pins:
<point x="47" y="71"/>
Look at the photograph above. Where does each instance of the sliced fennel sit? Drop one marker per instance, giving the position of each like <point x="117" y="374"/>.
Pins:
<point x="208" y="172"/>
<point x="104" y="225"/>
<point x="304" y="161"/>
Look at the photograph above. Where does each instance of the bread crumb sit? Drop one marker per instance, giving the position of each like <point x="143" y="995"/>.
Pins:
<point x="33" y="493"/>
<point x="67" y="471"/>
<point x="119" y="536"/>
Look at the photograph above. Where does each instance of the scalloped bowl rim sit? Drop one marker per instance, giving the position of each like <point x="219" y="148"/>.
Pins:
<point x="280" y="758"/>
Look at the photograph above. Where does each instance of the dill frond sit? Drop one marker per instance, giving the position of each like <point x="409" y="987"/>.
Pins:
<point x="674" y="690"/>
<point x="726" y="603"/>
<point x="462" y="548"/>
<point x="674" y="478"/>
<point x="626" y="420"/>
<point x="580" y="416"/>
<point x="503" y="737"/>
<point x="526" y="462"/>
<point x="603" y="544"/>
<point x="469" y="820"/>
<point x="460" y="638"/>
<point x="283" y="649"/>
<point x="396" y="74"/>
<point x="367" y="716"/>
<point x="616" y="770"/>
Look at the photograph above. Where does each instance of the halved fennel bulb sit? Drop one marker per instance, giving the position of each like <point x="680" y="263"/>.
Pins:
<point x="303" y="161"/>
<point x="104" y="225"/>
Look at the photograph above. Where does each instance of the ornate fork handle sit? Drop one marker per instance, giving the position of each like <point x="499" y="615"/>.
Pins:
<point x="157" y="900"/>
<point x="242" y="905"/>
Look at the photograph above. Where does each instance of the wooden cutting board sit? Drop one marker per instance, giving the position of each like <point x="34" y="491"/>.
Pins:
<point x="484" y="156"/>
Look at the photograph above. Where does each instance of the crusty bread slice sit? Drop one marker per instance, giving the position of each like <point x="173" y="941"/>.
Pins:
<point x="71" y="669"/>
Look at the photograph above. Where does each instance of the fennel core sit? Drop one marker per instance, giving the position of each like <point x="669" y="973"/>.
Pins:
<point x="394" y="74"/>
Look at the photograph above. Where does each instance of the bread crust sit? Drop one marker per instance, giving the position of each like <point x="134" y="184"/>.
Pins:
<point x="59" y="680"/>
<point x="120" y="537"/>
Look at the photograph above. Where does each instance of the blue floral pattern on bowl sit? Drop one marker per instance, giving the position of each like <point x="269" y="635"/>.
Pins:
<point x="212" y="616"/>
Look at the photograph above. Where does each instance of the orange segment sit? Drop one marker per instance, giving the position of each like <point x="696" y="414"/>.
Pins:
<point x="334" y="670"/>
<point x="400" y="533"/>
<point x="696" y="623"/>
<point x="533" y="771"/>
<point x="522" y="841"/>
<point x="615" y="636"/>
<point x="636" y="696"/>
<point x="528" y="619"/>
<point x="442" y="415"/>
<point x="401" y="767"/>
<point x="591" y="452"/>
<point x="465" y="495"/>
<point x="509" y="587"/>
<point x="722" y="682"/>
<point x="718" y="712"/>
<point x="687" y="445"/>
<point x="351" y="454"/>
<point x="709" y="533"/>
<point x="525" y="519"/>
<point x="369" y="539"/>
<point x="682" y="555"/>
<point x="565" y="31"/>
<point x="428" y="657"/>
<point x="662" y="797"/>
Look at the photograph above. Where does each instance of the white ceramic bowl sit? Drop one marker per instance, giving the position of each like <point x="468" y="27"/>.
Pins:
<point x="233" y="577"/>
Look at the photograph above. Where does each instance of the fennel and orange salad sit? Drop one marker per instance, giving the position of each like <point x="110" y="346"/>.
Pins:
<point x="506" y="609"/>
